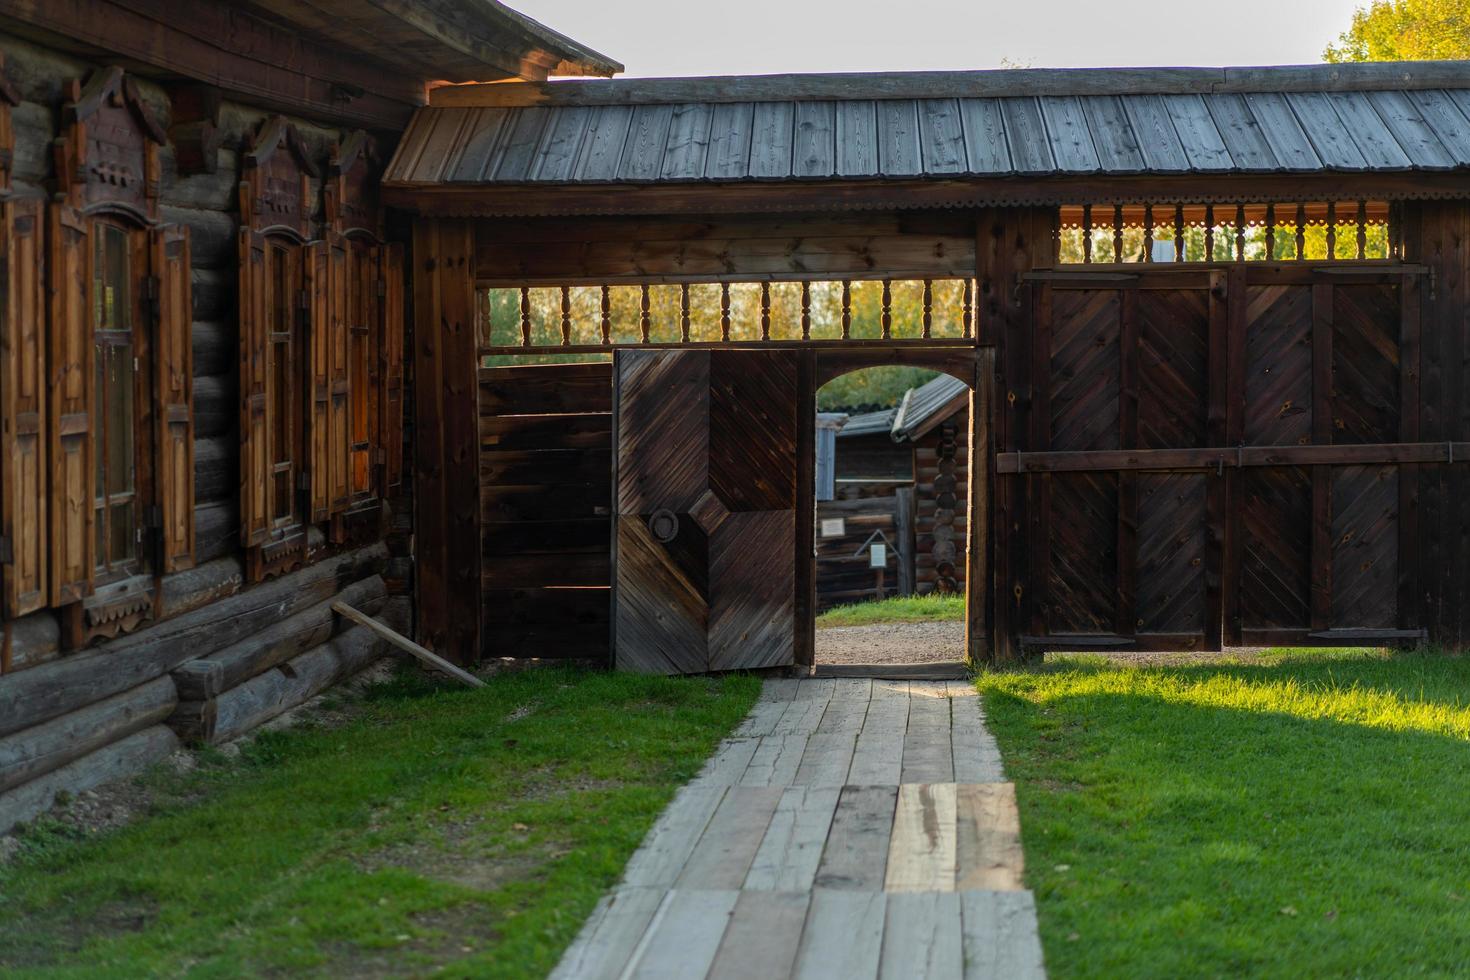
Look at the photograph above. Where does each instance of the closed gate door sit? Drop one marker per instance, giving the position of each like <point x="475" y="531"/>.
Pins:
<point x="705" y="559"/>
<point x="1123" y="557"/>
<point x="1217" y="457"/>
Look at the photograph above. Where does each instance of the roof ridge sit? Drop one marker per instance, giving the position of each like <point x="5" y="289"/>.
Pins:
<point x="986" y="83"/>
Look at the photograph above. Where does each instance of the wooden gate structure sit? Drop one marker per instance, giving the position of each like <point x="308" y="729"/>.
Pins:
<point x="1214" y="322"/>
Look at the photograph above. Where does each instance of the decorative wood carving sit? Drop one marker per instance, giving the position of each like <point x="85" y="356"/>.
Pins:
<point x="351" y="191"/>
<point x="275" y="187"/>
<point x="107" y="155"/>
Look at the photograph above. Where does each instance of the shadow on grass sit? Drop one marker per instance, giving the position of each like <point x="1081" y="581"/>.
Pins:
<point x="1301" y="814"/>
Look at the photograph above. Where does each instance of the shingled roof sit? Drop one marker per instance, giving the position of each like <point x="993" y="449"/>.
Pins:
<point x="1322" y="118"/>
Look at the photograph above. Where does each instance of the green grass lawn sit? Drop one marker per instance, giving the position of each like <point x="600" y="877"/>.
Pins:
<point x="900" y="609"/>
<point x="473" y="830"/>
<point x="1295" y="815"/>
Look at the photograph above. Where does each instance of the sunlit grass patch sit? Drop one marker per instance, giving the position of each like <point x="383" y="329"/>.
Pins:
<point x="899" y="609"/>
<point x="1297" y="813"/>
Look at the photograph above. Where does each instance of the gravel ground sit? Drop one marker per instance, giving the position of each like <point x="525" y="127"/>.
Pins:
<point x="939" y="642"/>
<point x="892" y="643"/>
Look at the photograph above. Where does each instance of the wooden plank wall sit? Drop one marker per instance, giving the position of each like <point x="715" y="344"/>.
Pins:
<point x="545" y="492"/>
<point x="650" y="249"/>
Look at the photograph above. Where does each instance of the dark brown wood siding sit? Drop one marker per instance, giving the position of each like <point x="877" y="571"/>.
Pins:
<point x="545" y="497"/>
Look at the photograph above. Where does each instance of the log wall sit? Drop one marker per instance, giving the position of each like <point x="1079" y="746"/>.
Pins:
<point x="941" y="485"/>
<point x="71" y="720"/>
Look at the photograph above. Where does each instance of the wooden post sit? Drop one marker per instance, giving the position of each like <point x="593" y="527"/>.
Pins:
<point x="447" y="495"/>
<point x="806" y="509"/>
<point x="980" y="647"/>
<point x="904" y="521"/>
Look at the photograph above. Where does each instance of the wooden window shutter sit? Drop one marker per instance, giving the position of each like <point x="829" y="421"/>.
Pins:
<point x="390" y="309"/>
<point x="255" y="462"/>
<point x="70" y="375"/>
<point x="319" y="374"/>
<point x="174" y="394"/>
<point x="340" y="442"/>
<point x="22" y="407"/>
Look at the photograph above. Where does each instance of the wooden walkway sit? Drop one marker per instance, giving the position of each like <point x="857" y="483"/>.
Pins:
<point x="849" y="828"/>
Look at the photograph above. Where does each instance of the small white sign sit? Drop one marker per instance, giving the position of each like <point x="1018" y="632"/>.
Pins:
<point x="833" y="527"/>
<point x="878" y="556"/>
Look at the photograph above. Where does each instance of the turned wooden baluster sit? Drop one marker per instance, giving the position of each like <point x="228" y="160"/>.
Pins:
<point x="525" y="317"/>
<point x="643" y="316"/>
<point x="806" y="310"/>
<point x="887" y="314"/>
<point x="725" y="311"/>
<point x="566" y="316"/>
<point x="606" y="315"/>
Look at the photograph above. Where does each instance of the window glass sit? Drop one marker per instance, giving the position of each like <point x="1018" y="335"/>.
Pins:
<point x="114" y="422"/>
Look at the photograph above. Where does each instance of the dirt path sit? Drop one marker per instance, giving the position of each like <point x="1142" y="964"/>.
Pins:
<point x="892" y="643"/>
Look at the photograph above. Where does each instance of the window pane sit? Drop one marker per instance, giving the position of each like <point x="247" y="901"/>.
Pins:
<point x="118" y="405"/>
<point x="118" y="279"/>
<point x="283" y="502"/>
<point x="281" y="402"/>
<point x="99" y="419"/>
<point x="124" y="545"/>
<point x="280" y="292"/>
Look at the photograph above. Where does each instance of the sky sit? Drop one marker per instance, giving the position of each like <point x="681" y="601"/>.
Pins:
<point x="751" y="37"/>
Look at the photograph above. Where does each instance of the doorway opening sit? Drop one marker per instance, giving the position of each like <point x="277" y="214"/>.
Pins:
<point x="892" y="519"/>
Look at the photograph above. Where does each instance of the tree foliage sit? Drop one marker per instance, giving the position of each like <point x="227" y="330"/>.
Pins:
<point x="1405" y="30"/>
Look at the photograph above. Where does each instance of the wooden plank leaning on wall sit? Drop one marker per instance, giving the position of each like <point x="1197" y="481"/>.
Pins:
<point x="446" y="443"/>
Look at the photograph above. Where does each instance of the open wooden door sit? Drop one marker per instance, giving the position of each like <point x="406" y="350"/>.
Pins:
<point x="705" y="539"/>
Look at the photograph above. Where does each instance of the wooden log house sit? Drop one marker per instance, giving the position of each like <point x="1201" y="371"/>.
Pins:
<point x="903" y="471"/>
<point x="202" y="372"/>
<point x="263" y="275"/>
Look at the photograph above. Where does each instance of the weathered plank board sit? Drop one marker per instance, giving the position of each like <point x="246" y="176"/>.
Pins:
<point x="922" y="936"/>
<point x="1000" y="938"/>
<point x="721" y="858"/>
<point x="988" y="851"/>
<point x="792" y="846"/>
<point x="921" y="853"/>
<point x="843" y="935"/>
<point x="668" y="845"/>
<point x="685" y="936"/>
<point x="762" y="937"/>
<point x="861" y="828"/>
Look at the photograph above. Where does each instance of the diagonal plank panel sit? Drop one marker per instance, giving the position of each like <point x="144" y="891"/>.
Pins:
<point x="706" y="501"/>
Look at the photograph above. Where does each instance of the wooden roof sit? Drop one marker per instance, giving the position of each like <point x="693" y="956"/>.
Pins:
<point x="453" y="40"/>
<point x="1314" y="121"/>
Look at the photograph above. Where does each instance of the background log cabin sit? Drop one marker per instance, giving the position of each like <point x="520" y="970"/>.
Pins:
<point x="903" y="471"/>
